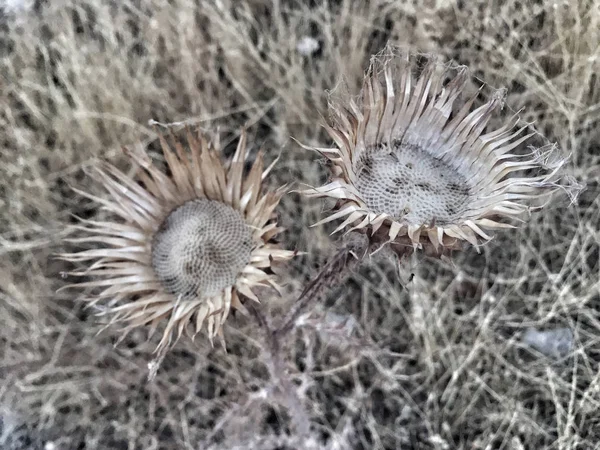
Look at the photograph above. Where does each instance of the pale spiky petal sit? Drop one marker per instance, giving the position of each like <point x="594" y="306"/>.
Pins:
<point x="147" y="267"/>
<point x="410" y="162"/>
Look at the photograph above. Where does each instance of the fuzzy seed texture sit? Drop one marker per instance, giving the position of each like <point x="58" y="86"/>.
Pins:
<point x="183" y="248"/>
<point x="415" y="163"/>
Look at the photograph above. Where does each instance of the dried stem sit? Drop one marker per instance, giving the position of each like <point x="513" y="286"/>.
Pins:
<point x="279" y="376"/>
<point x="356" y="247"/>
<point x="330" y="276"/>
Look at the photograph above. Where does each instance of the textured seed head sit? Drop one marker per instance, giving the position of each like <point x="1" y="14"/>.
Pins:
<point x="407" y="183"/>
<point x="186" y="248"/>
<point x="414" y="163"/>
<point x="200" y="249"/>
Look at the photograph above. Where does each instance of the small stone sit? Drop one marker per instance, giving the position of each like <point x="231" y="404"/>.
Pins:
<point x="554" y="343"/>
<point x="307" y="46"/>
<point x="16" y="5"/>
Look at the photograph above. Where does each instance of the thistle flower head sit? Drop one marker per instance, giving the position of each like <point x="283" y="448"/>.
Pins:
<point x="184" y="248"/>
<point x="414" y="163"/>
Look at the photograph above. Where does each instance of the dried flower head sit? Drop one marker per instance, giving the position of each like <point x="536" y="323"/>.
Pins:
<point x="412" y="167"/>
<point x="183" y="247"/>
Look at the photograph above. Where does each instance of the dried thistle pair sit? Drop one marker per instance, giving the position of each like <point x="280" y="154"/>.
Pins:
<point x="409" y="169"/>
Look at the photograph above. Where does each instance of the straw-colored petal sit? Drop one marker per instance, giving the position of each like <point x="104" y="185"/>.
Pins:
<point x="137" y="267"/>
<point x="412" y="160"/>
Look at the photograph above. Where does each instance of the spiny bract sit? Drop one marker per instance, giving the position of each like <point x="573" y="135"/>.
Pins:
<point x="184" y="246"/>
<point x="412" y="167"/>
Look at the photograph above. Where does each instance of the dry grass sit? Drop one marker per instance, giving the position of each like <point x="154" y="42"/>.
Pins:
<point x="438" y="365"/>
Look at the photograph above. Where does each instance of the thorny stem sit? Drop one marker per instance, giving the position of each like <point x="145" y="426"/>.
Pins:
<point x="280" y="378"/>
<point x="330" y="276"/>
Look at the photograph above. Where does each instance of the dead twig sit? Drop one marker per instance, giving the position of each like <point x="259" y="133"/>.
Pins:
<point x="331" y="275"/>
<point x="279" y="376"/>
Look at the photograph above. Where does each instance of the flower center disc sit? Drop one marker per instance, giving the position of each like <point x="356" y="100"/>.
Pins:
<point x="411" y="185"/>
<point x="200" y="248"/>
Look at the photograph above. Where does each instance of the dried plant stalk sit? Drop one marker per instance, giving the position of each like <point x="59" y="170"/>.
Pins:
<point x="333" y="273"/>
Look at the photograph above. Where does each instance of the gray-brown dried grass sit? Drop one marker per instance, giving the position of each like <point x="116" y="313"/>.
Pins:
<point x="434" y="366"/>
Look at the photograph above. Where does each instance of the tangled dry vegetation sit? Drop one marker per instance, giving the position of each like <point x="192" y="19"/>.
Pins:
<point x="432" y="361"/>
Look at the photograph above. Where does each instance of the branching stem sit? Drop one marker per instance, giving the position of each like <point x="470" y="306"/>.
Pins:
<point x="331" y="275"/>
<point x="280" y="378"/>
